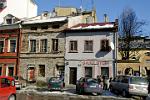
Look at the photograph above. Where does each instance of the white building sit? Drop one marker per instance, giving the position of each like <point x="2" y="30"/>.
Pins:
<point x="90" y="51"/>
<point x="17" y="8"/>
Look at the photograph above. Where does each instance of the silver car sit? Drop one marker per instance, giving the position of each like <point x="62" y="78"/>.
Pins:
<point x="130" y="85"/>
<point x="88" y="85"/>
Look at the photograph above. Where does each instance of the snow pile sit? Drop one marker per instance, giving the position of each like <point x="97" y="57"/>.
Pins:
<point x="94" y="27"/>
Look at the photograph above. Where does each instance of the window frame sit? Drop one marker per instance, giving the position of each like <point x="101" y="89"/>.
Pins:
<point x="75" y="46"/>
<point x="30" y="47"/>
<point x="3" y="45"/>
<point x="9" y="45"/>
<point x="43" y="48"/>
<point x="106" y="46"/>
<point x="55" y="45"/>
<point x="40" y="72"/>
<point x="88" y="51"/>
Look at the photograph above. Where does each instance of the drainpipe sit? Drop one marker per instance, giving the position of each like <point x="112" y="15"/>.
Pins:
<point x="18" y="49"/>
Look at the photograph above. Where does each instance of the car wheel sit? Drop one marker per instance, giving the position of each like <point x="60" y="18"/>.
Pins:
<point x="81" y="91"/>
<point x="61" y="90"/>
<point x="125" y="94"/>
<point x="111" y="89"/>
<point x="12" y="97"/>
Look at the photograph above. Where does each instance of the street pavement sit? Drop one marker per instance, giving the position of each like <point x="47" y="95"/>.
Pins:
<point x="34" y="93"/>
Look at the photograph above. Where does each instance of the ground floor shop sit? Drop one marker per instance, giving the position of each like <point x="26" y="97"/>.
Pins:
<point x="136" y="69"/>
<point x="75" y="69"/>
<point x="41" y="68"/>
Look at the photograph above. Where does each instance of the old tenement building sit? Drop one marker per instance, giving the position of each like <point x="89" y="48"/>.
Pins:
<point x="42" y="47"/>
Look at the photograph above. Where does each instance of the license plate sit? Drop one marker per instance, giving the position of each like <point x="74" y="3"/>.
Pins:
<point x="93" y="86"/>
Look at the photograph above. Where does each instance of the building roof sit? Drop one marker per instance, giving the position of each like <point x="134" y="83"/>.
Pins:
<point x="54" y="19"/>
<point x="93" y="26"/>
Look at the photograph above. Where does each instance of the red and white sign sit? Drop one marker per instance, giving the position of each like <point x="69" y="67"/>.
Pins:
<point x="94" y="62"/>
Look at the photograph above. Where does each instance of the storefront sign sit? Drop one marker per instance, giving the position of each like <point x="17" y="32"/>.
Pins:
<point x="92" y="62"/>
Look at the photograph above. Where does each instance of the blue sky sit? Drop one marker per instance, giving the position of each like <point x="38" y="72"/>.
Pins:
<point x="112" y="8"/>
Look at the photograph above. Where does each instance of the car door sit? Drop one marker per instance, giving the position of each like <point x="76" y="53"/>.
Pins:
<point x="4" y="89"/>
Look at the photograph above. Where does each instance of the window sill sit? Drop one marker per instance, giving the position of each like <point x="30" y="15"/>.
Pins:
<point x="73" y="52"/>
<point x="88" y="52"/>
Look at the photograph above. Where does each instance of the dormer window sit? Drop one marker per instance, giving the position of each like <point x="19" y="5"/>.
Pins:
<point x="9" y="21"/>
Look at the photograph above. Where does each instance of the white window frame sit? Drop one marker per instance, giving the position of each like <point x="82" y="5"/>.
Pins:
<point x="40" y="45"/>
<point x="9" y="44"/>
<point x="4" y="43"/>
<point x="7" y="67"/>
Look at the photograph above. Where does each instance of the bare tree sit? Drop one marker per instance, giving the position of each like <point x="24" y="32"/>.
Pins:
<point x="128" y="28"/>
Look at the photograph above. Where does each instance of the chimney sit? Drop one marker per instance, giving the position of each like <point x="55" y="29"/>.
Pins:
<point x="106" y="18"/>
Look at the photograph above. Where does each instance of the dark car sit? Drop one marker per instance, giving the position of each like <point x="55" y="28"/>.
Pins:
<point x="56" y="83"/>
<point x="88" y="85"/>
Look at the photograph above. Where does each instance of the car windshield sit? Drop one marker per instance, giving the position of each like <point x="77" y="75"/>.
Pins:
<point x="139" y="80"/>
<point x="55" y="79"/>
<point x="91" y="80"/>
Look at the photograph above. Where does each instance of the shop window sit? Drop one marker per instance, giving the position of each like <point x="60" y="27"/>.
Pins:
<point x="1" y="46"/>
<point x="105" y="45"/>
<point x="54" y="44"/>
<point x="32" y="45"/>
<point x="42" y="70"/>
<point x="88" y="71"/>
<point x="43" y="45"/>
<point x="88" y="46"/>
<point x="73" y="46"/>
<point x="12" y="45"/>
<point x="105" y="71"/>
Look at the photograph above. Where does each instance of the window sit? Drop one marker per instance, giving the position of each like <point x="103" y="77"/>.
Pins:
<point x="73" y="46"/>
<point x="55" y="26"/>
<point x="43" y="45"/>
<point x="12" y="46"/>
<point x="11" y="71"/>
<point x="9" y="21"/>
<point x="54" y="44"/>
<point x="32" y="45"/>
<point x="88" y="71"/>
<point x="1" y="46"/>
<point x="0" y="70"/>
<point x="44" y="27"/>
<point x="42" y="70"/>
<point x="33" y="28"/>
<point x="105" y="45"/>
<point x="147" y="53"/>
<point x="88" y="46"/>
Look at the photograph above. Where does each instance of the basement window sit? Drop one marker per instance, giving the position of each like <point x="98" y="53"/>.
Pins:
<point x="44" y="27"/>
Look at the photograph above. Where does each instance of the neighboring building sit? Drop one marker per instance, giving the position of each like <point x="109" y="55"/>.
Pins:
<point x="90" y="51"/>
<point x="18" y="8"/>
<point x="139" y="58"/>
<point x="42" y="47"/>
<point x="9" y="48"/>
<point x="76" y="16"/>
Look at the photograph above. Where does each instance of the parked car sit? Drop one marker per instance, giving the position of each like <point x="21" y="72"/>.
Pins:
<point x="7" y="88"/>
<point x="56" y="83"/>
<point x="88" y="85"/>
<point x="130" y="85"/>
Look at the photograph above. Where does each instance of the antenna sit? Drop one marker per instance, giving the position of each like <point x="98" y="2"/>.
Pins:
<point x="93" y="5"/>
<point x="81" y="7"/>
<point x="59" y="3"/>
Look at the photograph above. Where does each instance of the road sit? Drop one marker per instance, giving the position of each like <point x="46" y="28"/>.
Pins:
<point x="68" y="94"/>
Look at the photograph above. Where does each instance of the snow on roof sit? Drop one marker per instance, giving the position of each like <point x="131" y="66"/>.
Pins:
<point x="93" y="26"/>
<point x="54" y="19"/>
